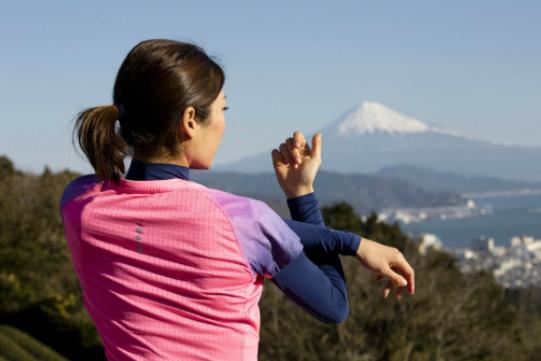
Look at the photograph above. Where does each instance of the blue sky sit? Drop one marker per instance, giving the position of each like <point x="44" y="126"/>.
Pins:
<point x="468" y="66"/>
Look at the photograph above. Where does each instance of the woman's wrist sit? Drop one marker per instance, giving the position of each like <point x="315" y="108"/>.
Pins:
<point x="361" y="248"/>
<point x="299" y="191"/>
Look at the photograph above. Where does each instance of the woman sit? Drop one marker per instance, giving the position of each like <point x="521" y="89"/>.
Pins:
<point x="171" y="269"/>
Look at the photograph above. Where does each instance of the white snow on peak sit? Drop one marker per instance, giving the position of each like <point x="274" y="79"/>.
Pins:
<point x="370" y="117"/>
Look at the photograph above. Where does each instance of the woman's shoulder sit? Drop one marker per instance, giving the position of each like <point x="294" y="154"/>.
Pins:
<point x="235" y="202"/>
<point x="77" y="186"/>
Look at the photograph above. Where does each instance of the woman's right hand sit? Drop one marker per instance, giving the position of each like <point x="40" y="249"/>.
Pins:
<point x="387" y="262"/>
<point x="296" y="164"/>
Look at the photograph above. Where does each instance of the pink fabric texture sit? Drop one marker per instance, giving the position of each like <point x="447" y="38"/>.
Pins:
<point x="162" y="272"/>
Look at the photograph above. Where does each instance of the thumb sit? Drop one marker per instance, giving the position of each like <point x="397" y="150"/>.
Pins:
<point x="316" y="146"/>
<point x="396" y="278"/>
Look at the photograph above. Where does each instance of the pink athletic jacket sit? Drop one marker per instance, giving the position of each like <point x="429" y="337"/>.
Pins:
<point x="167" y="266"/>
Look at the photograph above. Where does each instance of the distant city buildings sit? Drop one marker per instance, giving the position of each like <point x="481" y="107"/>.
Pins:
<point x="428" y="241"/>
<point x="515" y="266"/>
<point x="411" y="215"/>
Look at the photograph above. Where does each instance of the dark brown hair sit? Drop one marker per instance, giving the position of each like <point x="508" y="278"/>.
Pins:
<point x="157" y="80"/>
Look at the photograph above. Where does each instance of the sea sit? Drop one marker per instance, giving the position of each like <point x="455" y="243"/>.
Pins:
<point x="512" y="215"/>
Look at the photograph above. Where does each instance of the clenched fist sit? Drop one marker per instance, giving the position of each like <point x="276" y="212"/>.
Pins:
<point x="296" y="165"/>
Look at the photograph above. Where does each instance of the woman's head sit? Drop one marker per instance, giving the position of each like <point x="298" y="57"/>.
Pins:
<point x="172" y="97"/>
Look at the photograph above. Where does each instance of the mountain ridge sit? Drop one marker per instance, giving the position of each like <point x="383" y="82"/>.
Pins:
<point x="370" y="136"/>
<point x="435" y="181"/>
<point x="365" y="192"/>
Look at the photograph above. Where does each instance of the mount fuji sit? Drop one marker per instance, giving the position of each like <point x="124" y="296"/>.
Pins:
<point x="370" y="136"/>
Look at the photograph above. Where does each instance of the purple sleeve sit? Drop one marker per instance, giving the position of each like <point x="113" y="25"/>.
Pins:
<point x="265" y="239"/>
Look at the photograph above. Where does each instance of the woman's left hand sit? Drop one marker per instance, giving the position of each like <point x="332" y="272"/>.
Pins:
<point x="296" y="165"/>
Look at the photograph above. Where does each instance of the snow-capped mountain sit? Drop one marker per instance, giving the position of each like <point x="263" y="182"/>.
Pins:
<point x="371" y="136"/>
<point x="372" y="117"/>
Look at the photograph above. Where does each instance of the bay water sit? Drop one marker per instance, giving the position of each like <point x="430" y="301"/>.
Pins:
<point x="511" y="216"/>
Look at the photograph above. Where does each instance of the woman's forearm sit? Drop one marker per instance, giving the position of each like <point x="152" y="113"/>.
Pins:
<point x="318" y="287"/>
<point x="305" y="208"/>
<point x="307" y="222"/>
<point x="320" y="240"/>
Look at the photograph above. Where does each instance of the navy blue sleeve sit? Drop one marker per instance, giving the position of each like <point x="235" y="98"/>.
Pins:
<point x="320" y="289"/>
<point x="307" y="222"/>
<point x="305" y="209"/>
<point x="320" y="241"/>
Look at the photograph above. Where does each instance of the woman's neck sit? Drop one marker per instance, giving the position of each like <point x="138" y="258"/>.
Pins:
<point x="179" y="160"/>
<point x="141" y="170"/>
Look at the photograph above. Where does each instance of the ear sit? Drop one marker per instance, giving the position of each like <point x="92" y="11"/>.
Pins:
<point x="188" y="124"/>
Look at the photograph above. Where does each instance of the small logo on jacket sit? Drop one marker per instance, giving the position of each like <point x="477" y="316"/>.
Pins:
<point x="138" y="231"/>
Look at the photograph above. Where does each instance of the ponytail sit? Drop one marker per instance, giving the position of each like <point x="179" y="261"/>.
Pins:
<point x="157" y="81"/>
<point x="104" y="148"/>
